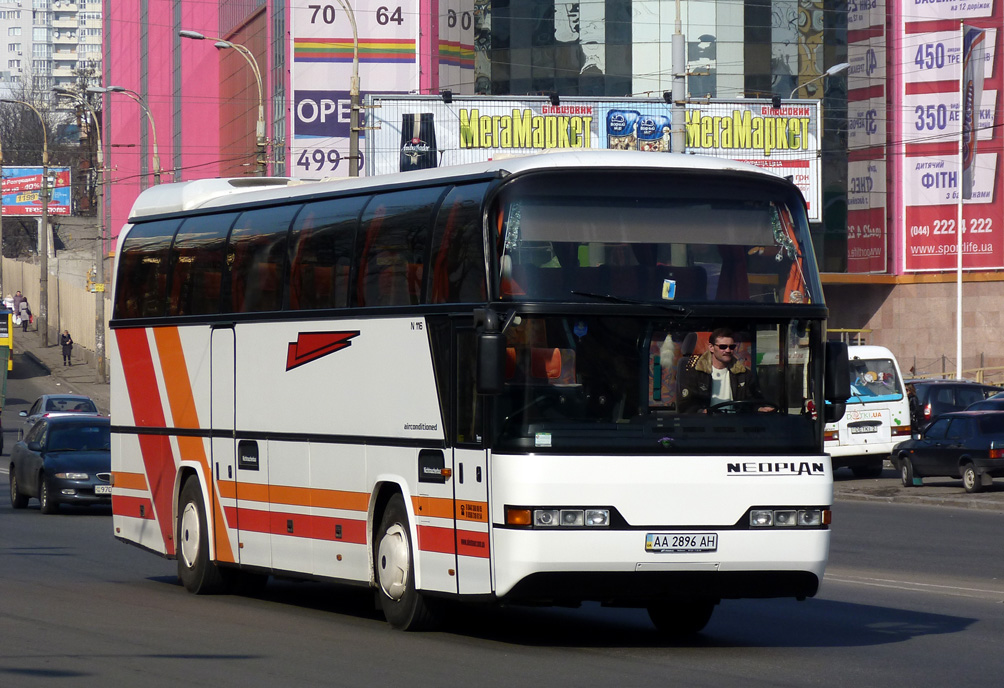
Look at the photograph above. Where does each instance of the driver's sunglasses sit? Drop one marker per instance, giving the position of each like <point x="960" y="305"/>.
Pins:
<point x="727" y="347"/>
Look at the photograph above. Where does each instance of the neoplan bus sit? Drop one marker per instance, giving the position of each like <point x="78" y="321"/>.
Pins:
<point x="877" y="415"/>
<point x="459" y="384"/>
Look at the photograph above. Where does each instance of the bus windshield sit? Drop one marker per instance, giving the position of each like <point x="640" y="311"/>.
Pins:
<point x="616" y="384"/>
<point x="587" y="235"/>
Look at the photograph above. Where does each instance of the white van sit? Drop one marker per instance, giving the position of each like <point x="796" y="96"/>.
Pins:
<point x="877" y="416"/>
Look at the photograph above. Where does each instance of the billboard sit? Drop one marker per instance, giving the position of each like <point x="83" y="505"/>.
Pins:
<point x="417" y="132"/>
<point x="22" y="191"/>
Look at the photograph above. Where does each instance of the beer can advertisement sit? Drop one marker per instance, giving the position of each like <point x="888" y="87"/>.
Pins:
<point x="22" y="191"/>
<point x="418" y="132"/>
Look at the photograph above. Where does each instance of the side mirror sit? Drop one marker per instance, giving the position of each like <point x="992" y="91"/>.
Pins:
<point x="23" y="414"/>
<point x="34" y="446"/>
<point x="837" y="375"/>
<point x="491" y="363"/>
<point x="834" y="411"/>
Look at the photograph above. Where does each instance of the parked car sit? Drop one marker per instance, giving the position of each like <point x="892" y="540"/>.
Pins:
<point x="994" y="403"/>
<point x="930" y="398"/>
<point x="49" y="405"/>
<point x="63" y="460"/>
<point x="964" y="444"/>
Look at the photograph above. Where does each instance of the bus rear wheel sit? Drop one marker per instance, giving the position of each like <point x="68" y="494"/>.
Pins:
<point x="681" y="619"/>
<point x="403" y="605"/>
<point x="197" y="573"/>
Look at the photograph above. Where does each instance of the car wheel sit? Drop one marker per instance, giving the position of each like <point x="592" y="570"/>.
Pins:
<point x="971" y="479"/>
<point x="198" y="574"/>
<point x="680" y="619"/>
<point x="906" y="471"/>
<point x="404" y="606"/>
<point x="17" y="499"/>
<point x="45" y="498"/>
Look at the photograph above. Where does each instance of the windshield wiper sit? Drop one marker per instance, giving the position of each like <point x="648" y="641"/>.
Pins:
<point x="633" y="302"/>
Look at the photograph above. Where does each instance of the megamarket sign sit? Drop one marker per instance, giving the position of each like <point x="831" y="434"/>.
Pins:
<point x="408" y="132"/>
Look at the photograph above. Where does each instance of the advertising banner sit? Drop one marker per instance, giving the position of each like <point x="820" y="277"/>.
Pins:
<point x="22" y="191"/>
<point x="415" y="132"/>
<point x="866" y="207"/>
<point x="971" y="98"/>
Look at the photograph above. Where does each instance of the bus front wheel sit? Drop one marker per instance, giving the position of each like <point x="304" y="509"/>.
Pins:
<point x="403" y="605"/>
<point x="197" y="573"/>
<point x="679" y="619"/>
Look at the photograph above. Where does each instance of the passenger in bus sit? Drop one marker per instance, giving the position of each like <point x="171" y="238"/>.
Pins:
<point x="717" y="376"/>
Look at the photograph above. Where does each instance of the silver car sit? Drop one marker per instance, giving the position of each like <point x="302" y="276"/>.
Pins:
<point x="49" y="405"/>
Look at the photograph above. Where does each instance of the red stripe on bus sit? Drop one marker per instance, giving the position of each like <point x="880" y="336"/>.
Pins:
<point x="144" y="398"/>
<point x="433" y="539"/>
<point x="472" y="544"/>
<point x="304" y="525"/>
<point x="130" y="507"/>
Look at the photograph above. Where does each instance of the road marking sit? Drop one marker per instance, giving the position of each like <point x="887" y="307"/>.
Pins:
<point x="914" y="586"/>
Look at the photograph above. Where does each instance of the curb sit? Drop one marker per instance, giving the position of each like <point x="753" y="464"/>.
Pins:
<point x="958" y="503"/>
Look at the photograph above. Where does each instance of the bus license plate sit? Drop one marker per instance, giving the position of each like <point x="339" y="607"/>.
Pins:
<point x="102" y="489"/>
<point x="681" y="542"/>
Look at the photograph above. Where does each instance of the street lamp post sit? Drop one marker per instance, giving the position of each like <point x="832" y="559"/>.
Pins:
<point x="99" y="263"/>
<point x="353" y="94"/>
<point x="261" y="141"/>
<point x="149" y="118"/>
<point x="43" y="239"/>
<point x="835" y="69"/>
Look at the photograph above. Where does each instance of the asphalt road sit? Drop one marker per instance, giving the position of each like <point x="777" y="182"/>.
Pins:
<point x="914" y="596"/>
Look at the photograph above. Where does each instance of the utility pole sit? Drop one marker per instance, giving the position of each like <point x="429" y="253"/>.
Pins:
<point x="678" y="132"/>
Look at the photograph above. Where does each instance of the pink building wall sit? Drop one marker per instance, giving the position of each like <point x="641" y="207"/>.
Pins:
<point x="199" y="146"/>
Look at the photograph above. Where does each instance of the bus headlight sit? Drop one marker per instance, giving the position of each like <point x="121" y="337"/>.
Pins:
<point x="545" y="518"/>
<point x="789" y="518"/>
<point x="597" y="517"/>
<point x="569" y="517"/>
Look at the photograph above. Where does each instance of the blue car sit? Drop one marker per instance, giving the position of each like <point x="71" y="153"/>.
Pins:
<point x="964" y="444"/>
<point x="63" y="460"/>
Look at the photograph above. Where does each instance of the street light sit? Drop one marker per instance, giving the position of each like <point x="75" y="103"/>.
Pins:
<point x="260" y="139"/>
<point x="835" y="69"/>
<point x="99" y="263"/>
<point x="353" y="94"/>
<point x="149" y="118"/>
<point x="43" y="239"/>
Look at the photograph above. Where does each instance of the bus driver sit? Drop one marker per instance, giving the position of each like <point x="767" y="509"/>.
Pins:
<point x="717" y="376"/>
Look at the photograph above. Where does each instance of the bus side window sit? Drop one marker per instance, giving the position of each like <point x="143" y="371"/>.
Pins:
<point x="458" y="263"/>
<point x="257" y="255"/>
<point x="320" y="253"/>
<point x="198" y="263"/>
<point x="144" y="264"/>
<point x="395" y="237"/>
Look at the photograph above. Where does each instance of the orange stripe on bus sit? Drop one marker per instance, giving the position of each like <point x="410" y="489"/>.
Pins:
<point x="433" y="507"/>
<point x="130" y="481"/>
<point x="178" y="385"/>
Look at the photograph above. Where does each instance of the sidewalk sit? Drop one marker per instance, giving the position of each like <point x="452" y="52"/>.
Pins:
<point x="79" y="378"/>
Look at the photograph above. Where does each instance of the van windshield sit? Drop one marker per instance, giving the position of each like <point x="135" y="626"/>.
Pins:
<point x="874" y="379"/>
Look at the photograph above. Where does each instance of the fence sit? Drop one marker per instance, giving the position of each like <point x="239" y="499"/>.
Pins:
<point x="71" y="306"/>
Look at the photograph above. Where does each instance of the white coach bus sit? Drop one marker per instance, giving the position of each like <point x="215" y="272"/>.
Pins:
<point x="461" y="383"/>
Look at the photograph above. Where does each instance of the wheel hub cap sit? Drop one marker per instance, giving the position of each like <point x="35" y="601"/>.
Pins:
<point x="393" y="561"/>
<point x="189" y="535"/>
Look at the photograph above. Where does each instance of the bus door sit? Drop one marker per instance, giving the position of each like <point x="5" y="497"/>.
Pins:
<point x="221" y="420"/>
<point x="470" y="474"/>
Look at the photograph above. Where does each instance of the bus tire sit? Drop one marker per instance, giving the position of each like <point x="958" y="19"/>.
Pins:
<point x="681" y="619"/>
<point x="394" y="569"/>
<point x="906" y="471"/>
<point x="198" y="574"/>
<point x="18" y="500"/>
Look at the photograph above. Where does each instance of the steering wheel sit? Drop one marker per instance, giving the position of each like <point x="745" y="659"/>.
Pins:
<point x="744" y="406"/>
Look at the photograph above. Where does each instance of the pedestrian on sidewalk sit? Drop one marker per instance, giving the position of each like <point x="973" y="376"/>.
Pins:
<point x="25" y="312"/>
<point x="66" y="341"/>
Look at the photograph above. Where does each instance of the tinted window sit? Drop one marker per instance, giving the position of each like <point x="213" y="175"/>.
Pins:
<point x="321" y="250"/>
<point x="394" y="237"/>
<point x="964" y="396"/>
<point x="992" y="425"/>
<point x="257" y="257"/>
<point x="960" y="429"/>
<point x="458" y="260"/>
<point x="143" y="270"/>
<point x="198" y="265"/>
<point x="70" y="406"/>
<point x="79" y="437"/>
<point x="936" y="430"/>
